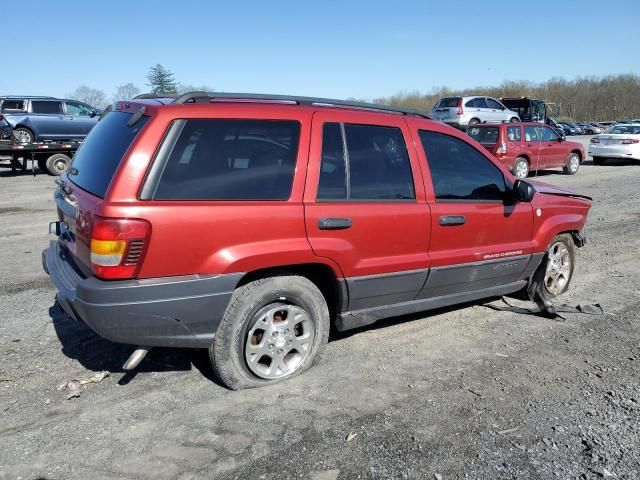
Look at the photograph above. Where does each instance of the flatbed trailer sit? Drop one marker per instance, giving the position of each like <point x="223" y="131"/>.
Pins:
<point x="51" y="157"/>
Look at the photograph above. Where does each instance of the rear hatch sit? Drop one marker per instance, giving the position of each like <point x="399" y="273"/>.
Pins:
<point x="81" y="191"/>
<point x="446" y="108"/>
<point x="486" y="135"/>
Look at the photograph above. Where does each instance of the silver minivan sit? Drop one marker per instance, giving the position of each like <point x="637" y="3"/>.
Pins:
<point x="460" y="112"/>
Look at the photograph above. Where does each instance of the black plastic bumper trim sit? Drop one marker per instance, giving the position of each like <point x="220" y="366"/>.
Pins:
<point x="166" y="312"/>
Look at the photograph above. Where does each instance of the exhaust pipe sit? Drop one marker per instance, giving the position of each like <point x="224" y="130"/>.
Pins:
<point x="136" y="357"/>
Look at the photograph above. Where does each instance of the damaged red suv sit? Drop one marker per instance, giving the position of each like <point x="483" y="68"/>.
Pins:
<point x="250" y="224"/>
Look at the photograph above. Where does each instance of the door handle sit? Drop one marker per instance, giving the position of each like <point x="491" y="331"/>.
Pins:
<point x="334" y="223"/>
<point x="452" y="220"/>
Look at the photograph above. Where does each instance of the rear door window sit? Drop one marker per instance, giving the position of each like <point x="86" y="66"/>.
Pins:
<point x="531" y="133"/>
<point x="229" y="159"/>
<point x="484" y="134"/>
<point x="459" y="171"/>
<point x="480" y="102"/>
<point x="46" y="107"/>
<point x="514" y="134"/>
<point x="375" y="159"/>
<point x="97" y="159"/>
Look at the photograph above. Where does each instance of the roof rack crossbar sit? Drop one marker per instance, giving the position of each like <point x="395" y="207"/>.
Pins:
<point x="207" y="97"/>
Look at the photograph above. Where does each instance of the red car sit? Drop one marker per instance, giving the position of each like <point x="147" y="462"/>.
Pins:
<point x="527" y="147"/>
<point x="250" y="224"/>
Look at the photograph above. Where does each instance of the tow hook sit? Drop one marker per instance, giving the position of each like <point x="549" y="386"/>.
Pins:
<point x="135" y="358"/>
<point x="579" y="239"/>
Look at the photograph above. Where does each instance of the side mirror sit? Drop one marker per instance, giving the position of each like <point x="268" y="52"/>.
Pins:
<point x="562" y="138"/>
<point x="94" y="113"/>
<point x="523" y="191"/>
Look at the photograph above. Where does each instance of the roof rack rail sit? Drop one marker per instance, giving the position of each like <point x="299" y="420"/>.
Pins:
<point x="207" y="97"/>
<point x="146" y="96"/>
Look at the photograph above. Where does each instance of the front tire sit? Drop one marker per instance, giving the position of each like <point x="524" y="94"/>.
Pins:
<point x="553" y="276"/>
<point x="572" y="165"/>
<point x="273" y="329"/>
<point x="521" y="168"/>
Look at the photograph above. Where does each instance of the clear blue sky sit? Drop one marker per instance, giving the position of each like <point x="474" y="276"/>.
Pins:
<point x="327" y="48"/>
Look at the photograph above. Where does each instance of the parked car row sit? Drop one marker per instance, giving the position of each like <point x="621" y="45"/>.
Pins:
<point x="38" y="119"/>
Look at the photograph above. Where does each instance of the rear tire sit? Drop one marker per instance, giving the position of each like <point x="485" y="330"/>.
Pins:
<point x="266" y="319"/>
<point x="474" y="121"/>
<point x="572" y="165"/>
<point x="598" y="160"/>
<point x="57" y="164"/>
<point x="521" y="168"/>
<point x="23" y="135"/>
<point x="514" y="120"/>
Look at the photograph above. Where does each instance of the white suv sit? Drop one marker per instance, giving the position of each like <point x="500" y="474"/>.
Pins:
<point x="460" y="112"/>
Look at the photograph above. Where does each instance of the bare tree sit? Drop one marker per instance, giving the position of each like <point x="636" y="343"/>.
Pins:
<point x="91" y="96"/>
<point x="126" y="92"/>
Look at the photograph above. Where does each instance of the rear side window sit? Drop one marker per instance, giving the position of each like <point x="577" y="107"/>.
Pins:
<point x="38" y="106"/>
<point x="229" y="159"/>
<point x="13" y="106"/>
<point x="484" y="134"/>
<point x="480" y="102"/>
<point x="448" y="102"/>
<point x="98" y="157"/>
<point x="374" y="161"/>
<point x="459" y="171"/>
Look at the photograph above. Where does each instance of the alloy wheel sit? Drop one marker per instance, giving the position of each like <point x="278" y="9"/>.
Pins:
<point x="278" y="341"/>
<point x="558" y="270"/>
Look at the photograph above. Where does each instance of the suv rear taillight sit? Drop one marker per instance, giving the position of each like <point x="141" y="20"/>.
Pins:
<point x="629" y="141"/>
<point x="459" y="110"/>
<point x="118" y="246"/>
<point x="502" y="149"/>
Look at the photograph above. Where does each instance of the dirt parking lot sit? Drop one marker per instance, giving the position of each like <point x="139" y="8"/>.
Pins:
<point x="466" y="392"/>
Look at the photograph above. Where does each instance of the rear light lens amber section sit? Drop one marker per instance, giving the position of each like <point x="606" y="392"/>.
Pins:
<point x="118" y="246"/>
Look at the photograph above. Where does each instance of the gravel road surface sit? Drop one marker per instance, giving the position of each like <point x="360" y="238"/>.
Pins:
<point x="466" y="392"/>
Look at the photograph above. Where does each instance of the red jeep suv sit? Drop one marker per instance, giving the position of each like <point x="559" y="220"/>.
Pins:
<point x="249" y="224"/>
<point x="526" y="147"/>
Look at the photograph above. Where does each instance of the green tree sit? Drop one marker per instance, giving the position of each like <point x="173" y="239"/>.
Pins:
<point x="161" y="80"/>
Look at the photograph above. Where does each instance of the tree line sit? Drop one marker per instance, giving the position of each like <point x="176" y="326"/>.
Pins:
<point x="160" y="81"/>
<point x="612" y="97"/>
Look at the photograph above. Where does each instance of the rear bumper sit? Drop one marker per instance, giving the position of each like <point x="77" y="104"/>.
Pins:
<point x="180" y="311"/>
<point x="622" y="151"/>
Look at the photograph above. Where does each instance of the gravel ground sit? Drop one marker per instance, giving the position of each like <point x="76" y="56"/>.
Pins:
<point x="465" y="392"/>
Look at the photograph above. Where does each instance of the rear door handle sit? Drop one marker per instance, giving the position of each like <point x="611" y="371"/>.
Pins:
<point x="452" y="220"/>
<point x="334" y="223"/>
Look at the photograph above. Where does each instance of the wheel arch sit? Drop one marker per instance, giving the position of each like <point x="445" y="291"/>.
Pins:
<point x="322" y="275"/>
<point x="579" y="153"/>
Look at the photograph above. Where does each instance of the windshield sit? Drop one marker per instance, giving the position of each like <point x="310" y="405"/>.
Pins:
<point x="484" y="134"/>
<point x="97" y="159"/>
<point x="625" y="130"/>
<point x="448" y="102"/>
